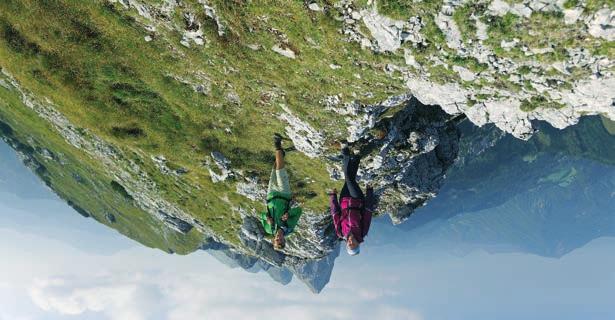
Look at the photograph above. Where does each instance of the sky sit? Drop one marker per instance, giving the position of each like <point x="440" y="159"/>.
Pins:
<point x="58" y="265"/>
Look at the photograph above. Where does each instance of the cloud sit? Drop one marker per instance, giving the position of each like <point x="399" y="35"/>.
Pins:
<point x="13" y="303"/>
<point x="396" y="313"/>
<point x="116" y="297"/>
<point x="174" y="296"/>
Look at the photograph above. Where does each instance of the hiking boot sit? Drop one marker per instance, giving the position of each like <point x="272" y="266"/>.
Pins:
<point x="345" y="148"/>
<point x="277" y="141"/>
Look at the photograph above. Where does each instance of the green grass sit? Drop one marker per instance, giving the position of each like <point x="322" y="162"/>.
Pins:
<point x="89" y="66"/>
<point x="467" y="25"/>
<point x="593" y="5"/>
<point x="79" y="180"/>
<point x="569" y="4"/>
<point x="442" y="75"/>
<point x="539" y="102"/>
<point x="469" y="62"/>
<point x="403" y="9"/>
<point x="95" y="67"/>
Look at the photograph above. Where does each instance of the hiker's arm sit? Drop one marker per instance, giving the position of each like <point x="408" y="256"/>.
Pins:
<point x="366" y="221"/>
<point x="335" y="212"/>
<point x="266" y="216"/>
<point x="370" y="199"/>
<point x="293" y="218"/>
<point x="334" y="204"/>
<point x="267" y="226"/>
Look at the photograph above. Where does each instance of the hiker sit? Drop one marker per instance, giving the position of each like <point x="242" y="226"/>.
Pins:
<point x="352" y="216"/>
<point x="280" y="218"/>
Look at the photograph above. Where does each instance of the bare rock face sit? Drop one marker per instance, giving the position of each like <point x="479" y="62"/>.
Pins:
<point x="251" y="189"/>
<point x="223" y="165"/>
<point x="314" y="271"/>
<point x="406" y="166"/>
<point x="281" y="267"/>
<point x="174" y="223"/>
<point x="559" y="98"/>
<point x="602" y="24"/>
<point x="390" y="34"/>
<point x="406" y="154"/>
<point x="407" y="141"/>
<point x="306" y="139"/>
<point x="286" y="52"/>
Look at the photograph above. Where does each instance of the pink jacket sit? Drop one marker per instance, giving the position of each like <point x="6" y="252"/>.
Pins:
<point x="348" y="219"/>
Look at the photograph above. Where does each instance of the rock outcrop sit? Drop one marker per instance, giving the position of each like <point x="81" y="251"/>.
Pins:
<point x="305" y="138"/>
<point x="535" y="92"/>
<point x="437" y="63"/>
<point x="314" y="271"/>
<point x="407" y="147"/>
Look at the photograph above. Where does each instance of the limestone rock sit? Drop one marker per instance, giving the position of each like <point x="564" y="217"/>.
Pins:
<point x="451" y="31"/>
<point x="389" y="33"/>
<point x="305" y="138"/>
<point x="571" y="16"/>
<point x="287" y="52"/>
<point x="223" y="165"/>
<point x="252" y="190"/>
<point x="314" y="7"/>
<point x="233" y="97"/>
<point x="193" y="32"/>
<point x="407" y="165"/>
<point x="464" y="74"/>
<point x="603" y="24"/>
<point x="210" y="12"/>
<point x="501" y="7"/>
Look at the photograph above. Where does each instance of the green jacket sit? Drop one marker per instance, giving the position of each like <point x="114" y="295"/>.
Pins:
<point x="278" y="203"/>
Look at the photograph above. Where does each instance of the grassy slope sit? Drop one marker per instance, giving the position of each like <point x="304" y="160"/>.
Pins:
<point x="96" y="68"/>
<point x="92" y="192"/>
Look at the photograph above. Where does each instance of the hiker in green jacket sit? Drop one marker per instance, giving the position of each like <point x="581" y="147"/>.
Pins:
<point x="280" y="218"/>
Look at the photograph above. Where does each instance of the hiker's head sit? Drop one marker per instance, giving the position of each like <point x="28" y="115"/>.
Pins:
<point x="352" y="245"/>
<point x="278" y="240"/>
<point x="284" y="217"/>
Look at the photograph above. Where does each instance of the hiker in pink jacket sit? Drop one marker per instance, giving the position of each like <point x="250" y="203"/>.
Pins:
<point x="352" y="216"/>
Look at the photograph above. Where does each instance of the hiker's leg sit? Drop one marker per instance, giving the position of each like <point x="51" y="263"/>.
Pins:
<point x="272" y="181"/>
<point x="279" y="178"/>
<point x="350" y="165"/>
<point x="345" y="192"/>
<point x="279" y="159"/>
<point x="350" y="173"/>
<point x="283" y="181"/>
<point x="345" y="162"/>
<point x="354" y="189"/>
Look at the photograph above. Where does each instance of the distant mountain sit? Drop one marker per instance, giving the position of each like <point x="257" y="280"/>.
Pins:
<point x="547" y="196"/>
<point x="12" y="177"/>
<point x="155" y="117"/>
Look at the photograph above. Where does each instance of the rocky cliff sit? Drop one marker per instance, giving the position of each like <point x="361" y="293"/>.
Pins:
<point x="172" y="103"/>
<point x="501" y="62"/>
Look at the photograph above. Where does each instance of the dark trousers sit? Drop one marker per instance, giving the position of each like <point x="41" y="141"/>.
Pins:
<point x="350" y="165"/>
